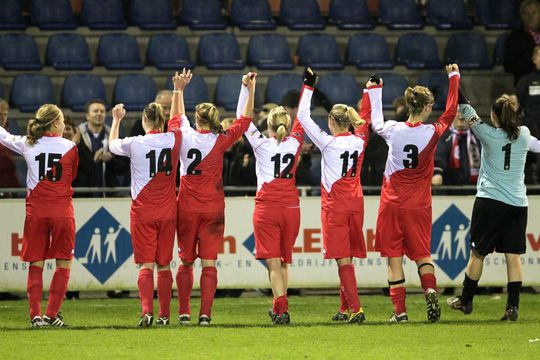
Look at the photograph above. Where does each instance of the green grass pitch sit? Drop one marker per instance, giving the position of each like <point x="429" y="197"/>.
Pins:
<point x="106" y="329"/>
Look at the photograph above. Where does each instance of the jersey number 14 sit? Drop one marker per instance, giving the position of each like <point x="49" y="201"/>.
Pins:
<point x="164" y="163"/>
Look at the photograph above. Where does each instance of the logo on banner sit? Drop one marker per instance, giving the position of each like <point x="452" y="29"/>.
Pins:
<point x="249" y="244"/>
<point x="450" y="241"/>
<point x="103" y="245"/>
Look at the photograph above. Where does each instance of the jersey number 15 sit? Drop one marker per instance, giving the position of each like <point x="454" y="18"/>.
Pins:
<point x="49" y="166"/>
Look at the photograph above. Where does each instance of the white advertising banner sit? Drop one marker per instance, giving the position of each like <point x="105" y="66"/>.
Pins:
<point x="103" y="258"/>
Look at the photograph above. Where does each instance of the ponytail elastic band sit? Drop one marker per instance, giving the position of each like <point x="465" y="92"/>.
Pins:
<point x="47" y="124"/>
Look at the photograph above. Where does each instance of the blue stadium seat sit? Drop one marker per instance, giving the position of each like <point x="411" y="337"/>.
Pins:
<point x="468" y="50"/>
<point x="418" y="51"/>
<point x="301" y="15"/>
<point x="103" y="14"/>
<point x="227" y="91"/>
<point x="219" y="51"/>
<point x="152" y="15"/>
<point x="448" y="14"/>
<point x="29" y="92"/>
<point x="340" y="88"/>
<point x="195" y="93"/>
<point x="279" y="84"/>
<point x="394" y="87"/>
<point x="437" y="82"/>
<point x="78" y="89"/>
<point x="350" y="15"/>
<point x="315" y="172"/>
<point x="119" y="52"/>
<point x="269" y="51"/>
<point x="202" y="15"/>
<point x="498" y="14"/>
<point x="400" y="14"/>
<point x="320" y="51"/>
<point x="21" y="168"/>
<point x="19" y="52"/>
<point x="369" y="51"/>
<point x="168" y="51"/>
<point x="498" y="52"/>
<point x="135" y="91"/>
<point x="322" y="121"/>
<point x="11" y="17"/>
<point x="252" y="15"/>
<point x="68" y="52"/>
<point x="53" y="15"/>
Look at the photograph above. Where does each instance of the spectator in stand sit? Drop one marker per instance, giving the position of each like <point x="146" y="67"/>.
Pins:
<point x="521" y="42"/>
<point x="400" y="109"/>
<point x="238" y="163"/>
<point x="8" y="172"/>
<point x="163" y="98"/>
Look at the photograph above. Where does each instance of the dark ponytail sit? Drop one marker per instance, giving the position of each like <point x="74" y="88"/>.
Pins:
<point x="506" y="112"/>
<point x="154" y="114"/>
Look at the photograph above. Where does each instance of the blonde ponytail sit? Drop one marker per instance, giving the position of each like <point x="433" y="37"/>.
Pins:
<point x="209" y="115"/>
<point x="154" y="114"/>
<point x="279" y="121"/>
<point x="45" y="117"/>
<point x="345" y="116"/>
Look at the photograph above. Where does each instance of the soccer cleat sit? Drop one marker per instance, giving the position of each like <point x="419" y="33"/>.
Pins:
<point x="37" y="321"/>
<point x="456" y="304"/>
<point x="184" y="319"/>
<point x="357" y="317"/>
<point x="57" y="321"/>
<point x="272" y="315"/>
<point x="511" y="314"/>
<point x="146" y="320"/>
<point x="432" y="304"/>
<point x="204" y="320"/>
<point x="163" y="321"/>
<point x="341" y="316"/>
<point x="395" y="318"/>
<point x="283" y="319"/>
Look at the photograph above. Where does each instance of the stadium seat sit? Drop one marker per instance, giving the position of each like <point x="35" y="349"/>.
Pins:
<point x="301" y="15"/>
<point x="340" y="88"/>
<point x="53" y="15"/>
<point x="68" y="52"/>
<point x="227" y="91"/>
<point x="153" y="15"/>
<point x="19" y="52"/>
<point x="135" y="91"/>
<point x="315" y="171"/>
<point x="168" y="51"/>
<point x="279" y="84"/>
<point x="322" y="121"/>
<point x="269" y="52"/>
<point x="418" y="51"/>
<point x="11" y="17"/>
<point x="202" y="15"/>
<point x="468" y="50"/>
<point x="369" y="51"/>
<point x="119" y="52"/>
<point x="448" y="14"/>
<point x="437" y="82"/>
<point x="29" y="92"/>
<point x="219" y="51"/>
<point x="195" y="93"/>
<point x="252" y="15"/>
<point x="498" y="14"/>
<point x="400" y="14"/>
<point x="103" y="14"/>
<point x="350" y="15"/>
<point x="394" y="87"/>
<point x="498" y="52"/>
<point x="320" y="51"/>
<point x="78" y="89"/>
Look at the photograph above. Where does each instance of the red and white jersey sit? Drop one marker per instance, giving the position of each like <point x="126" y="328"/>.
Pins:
<point x="276" y="163"/>
<point x="154" y="163"/>
<point x="341" y="159"/>
<point x="201" y="166"/>
<point x="52" y="165"/>
<point x="411" y="150"/>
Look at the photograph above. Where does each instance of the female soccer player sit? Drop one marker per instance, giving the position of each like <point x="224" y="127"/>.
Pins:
<point x="499" y="217"/>
<point x="49" y="227"/>
<point x="154" y="162"/>
<point x="342" y="198"/>
<point x="201" y="202"/>
<point x="404" y="218"/>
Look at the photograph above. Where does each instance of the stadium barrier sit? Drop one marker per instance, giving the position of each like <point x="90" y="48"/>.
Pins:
<point x="103" y="256"/>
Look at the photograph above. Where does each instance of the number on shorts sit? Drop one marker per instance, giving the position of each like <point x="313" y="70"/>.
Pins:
<point x="507" y="152"/>
<point x="287" y="159"/>
<point x="411" y="162"/>
<point x="345" y="156"/>
<point x="196" y="155"/>
<point x="164" y="163"/>
<point x="52" y="163"/>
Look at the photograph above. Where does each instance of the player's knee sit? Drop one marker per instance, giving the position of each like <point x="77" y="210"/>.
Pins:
<point x="477" y="255"/>
<point x="187" y="263"/>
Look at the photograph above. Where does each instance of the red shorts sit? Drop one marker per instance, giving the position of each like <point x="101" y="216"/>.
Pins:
<point x="403" y="232"/>
<point x="153" y="241"/>
<point x="275" y="232"/>
<point x="200" y="235"/>
<point x="343" y="235"/>
<point x="48" y="238"/>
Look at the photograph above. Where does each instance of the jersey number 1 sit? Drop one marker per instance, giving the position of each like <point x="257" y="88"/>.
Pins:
<point x="164" y="163"/>
<point x="287" y="159"/>
<point x="507" y="152"/>
<point x="52" y="162"/>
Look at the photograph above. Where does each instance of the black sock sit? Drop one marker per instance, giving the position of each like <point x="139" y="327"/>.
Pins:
<point x="469" y="290"/>
<point x="513" y="293"/>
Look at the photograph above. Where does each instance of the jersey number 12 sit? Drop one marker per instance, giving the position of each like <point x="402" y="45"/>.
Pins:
<point x="287" y="159"/>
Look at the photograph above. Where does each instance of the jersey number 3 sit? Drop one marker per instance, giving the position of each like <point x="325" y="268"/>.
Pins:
<point x="164" y="163"/>
<point x="51" y="162"/>
<point x="411" y="162"/>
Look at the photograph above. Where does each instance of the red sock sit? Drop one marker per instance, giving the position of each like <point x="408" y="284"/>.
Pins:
<point x="208" y="289"/>
<point x="343" y="303"/>
<point x="280" y="305"/>
<point x="57" y="291"/>
<point x="164" y="290"/>
<point x="348" y="279"/>
<point x="146" y="290"/>
<point x="184" y="283"/>
<point x="398" y="299"/>
<point x="428" y="281"/>
<point x="34" y="289"/>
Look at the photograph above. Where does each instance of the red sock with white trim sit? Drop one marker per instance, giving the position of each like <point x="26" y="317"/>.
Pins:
<point x="146" y="290"/>
<point x="348" y="279"/>
<point x="398" y="295"/>
<point x="164" y="290"/>
<point x="280" y="305"/>
<point x="428" y="281"/>
<point x="184" y="283"/>
<point x="208" y="289"/>
<point x="34" y="290"/>
<point x="57" y="291"/>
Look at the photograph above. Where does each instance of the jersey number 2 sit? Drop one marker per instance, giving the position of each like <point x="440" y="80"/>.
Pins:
<point x="164" y="163"/>
<point x="287" y="159"/>
<point x="345" y="156"/>
<point x="411" y="162"/>
<point x="196" y="155"/>
<point x="51" y="162"/>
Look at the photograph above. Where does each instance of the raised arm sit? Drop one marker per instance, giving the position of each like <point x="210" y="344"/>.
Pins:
<point x="534" y="145"/>
<point x="365" y="115"/>
<point x="12" y="142"/>
<point x="374" y="86"/>
<point x="253" y="135"/>
<point x="451" y="101"/>
<point x="178" y="111"/>
<point x="117" y="146"/>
